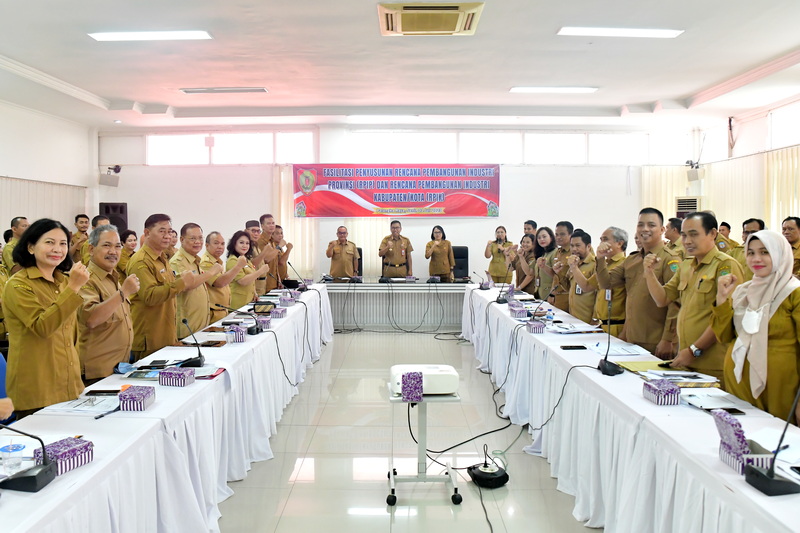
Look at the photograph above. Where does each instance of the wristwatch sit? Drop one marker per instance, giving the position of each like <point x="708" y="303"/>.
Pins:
<point x="697" y="352"/>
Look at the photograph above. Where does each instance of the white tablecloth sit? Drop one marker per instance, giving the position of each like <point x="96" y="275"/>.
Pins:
<point x="217" y="428"/>
<point x="631" y="465"/>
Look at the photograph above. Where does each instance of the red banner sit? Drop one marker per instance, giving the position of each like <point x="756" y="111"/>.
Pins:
<point x="396" y="190"/>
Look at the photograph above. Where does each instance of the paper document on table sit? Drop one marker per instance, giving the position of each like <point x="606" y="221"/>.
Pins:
<point x="680" y="375"/>
<point x="618" y="348"/>
<point x="703" y="400"/>
<point x="85" y="405"/>
<point x="769" y="437"/>
<point x="571" y="329"/>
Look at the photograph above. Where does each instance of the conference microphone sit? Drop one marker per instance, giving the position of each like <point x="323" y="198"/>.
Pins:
<point x="609" y="368"/>
<point x="483" y="285"/>
<point x="765" y="479"/>
<point x="500" y="298"/>
<point x="31" y="479"/>
<point x="194" y="362"/>
<point x="301" y="285"/>
<point x="252" y="330"/>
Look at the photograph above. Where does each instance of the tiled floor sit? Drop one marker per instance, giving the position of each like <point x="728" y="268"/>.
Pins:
<point x="336" y="438"/>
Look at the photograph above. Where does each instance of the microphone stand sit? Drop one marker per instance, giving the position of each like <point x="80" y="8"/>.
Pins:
<point x="609" y="368"/>
<point x="252" y="330"/>
<point x="31" y="479"/>
<point x="500" y="298"/>
<point x="301" y="285"/>
<point x="483" y="285"/>
<point x="765" y="479"/>
<point x="195" y="362"/>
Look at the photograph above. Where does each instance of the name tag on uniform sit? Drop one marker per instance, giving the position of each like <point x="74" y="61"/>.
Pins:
<point x="608" y="295"/>
<point x="578" y="289"/>
<point x="403" y="251"/>
<point x="537" y="282"/>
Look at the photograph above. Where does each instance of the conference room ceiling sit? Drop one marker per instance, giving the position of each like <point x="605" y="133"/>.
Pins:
<point x="326" y="63"/>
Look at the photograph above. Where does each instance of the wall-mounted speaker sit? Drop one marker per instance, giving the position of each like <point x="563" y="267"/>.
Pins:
<point x="117" y="214"/>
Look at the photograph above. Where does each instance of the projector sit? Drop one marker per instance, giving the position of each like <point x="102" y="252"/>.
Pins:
<point x="436" y="379"/>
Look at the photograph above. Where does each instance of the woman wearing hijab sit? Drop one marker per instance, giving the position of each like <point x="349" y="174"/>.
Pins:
<point x="763" y="317"/>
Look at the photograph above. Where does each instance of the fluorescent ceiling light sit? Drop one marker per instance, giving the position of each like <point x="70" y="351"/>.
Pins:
<point x="223" y="90"/>
<point x="380" y="119"/>
<point x="553" y="90"/>
<point x="619" y="32"/>
<point x="150" y="36"/>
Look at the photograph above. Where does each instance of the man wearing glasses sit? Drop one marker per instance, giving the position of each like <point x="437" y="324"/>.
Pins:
<point x="751" y="225"/>
<point x="194" y="303"/>
<point x="343" y="254"/>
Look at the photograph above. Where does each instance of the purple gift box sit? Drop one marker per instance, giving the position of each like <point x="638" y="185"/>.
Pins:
<point x="435" y="279"/>
<point x="263" y="322"/>
<point x="278" y="312"/>
<point x="308" y="282"/>
<point x="517" y="312"/>
<point x="734" y="449"/>
<point x="514" y="304"/>
<point x="137" y="398"/>
<point x="661" y="392"/>
<point x="176" y="376"/>
<point x="69" y="453"/>
<point x="295" y="295"/>
<point x="239" y="333"/>
<point x="411" y="279"/>
<point x="411" y="387"/>
<point x="284" y="301"/>
<point x="535" y="327"/>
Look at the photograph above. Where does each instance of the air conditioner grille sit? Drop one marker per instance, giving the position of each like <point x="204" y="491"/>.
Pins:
<point x="429" y="19"/>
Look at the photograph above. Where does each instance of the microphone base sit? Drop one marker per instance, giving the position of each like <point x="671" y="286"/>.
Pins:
<point x="254" y="330"/>
<point x="194" y="362"/>
<point x="33" y="479"/>
<point x="774" y="485"/>
<point x="609" y="368"/>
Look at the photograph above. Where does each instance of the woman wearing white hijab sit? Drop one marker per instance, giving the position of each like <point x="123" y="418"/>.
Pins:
<point x="763" y="316"/>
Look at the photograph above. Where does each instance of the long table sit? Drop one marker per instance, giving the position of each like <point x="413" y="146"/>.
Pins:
<point x="631" y="465"/>
<point x="167" y="468"/>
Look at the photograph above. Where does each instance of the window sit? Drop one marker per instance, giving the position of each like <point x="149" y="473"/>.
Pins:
<point x="177" y="149"/>
<point x="555" y="148"/>
<point x="242" y="149"/>
<point x="618" y="149"/>
<point x="401" y="147"/>
<point x="294" y="147"/>
<point x="485" y="147"/>
<point x="783" y="126"/>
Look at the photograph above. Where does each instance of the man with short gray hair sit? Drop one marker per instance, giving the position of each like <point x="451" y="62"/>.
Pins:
<point x="105" y="327"/>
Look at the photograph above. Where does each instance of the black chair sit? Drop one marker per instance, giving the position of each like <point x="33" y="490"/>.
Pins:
<point x="461" y="256"/>
<point x="360" y="262"/>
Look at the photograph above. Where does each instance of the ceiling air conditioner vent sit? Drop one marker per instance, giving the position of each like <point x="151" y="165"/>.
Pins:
<point x="429" y="19"/>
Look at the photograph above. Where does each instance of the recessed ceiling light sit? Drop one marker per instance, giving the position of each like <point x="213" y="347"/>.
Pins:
<point x="618" y="32"/>
<point x="223" y="90"/>
<point x="192" y="35"/>
<point x="553" y="90"/>
<point x="117" y="122"/>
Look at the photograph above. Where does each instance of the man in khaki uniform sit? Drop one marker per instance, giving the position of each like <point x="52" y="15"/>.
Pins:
<point x="253" y="228"/>
<point x="105" y="326"/>
<point x="99" y="220"/>
<point x="79" y="237"/>
<point x="396" y="253"/>
<point x="153" y="306"/>
<point x="672" y="232"/>
<point x="610" y="251"/>
<point x="18" y="227"/>
<point x="219" y="291"/>
<point x="343" y="254"/>
<point x="695" y="287"/>
<point x="725" y="231"/>
<point x="751" y="225"/>
<point x="646" y="324"/>
<point x="791" y="231"/>
<point x="268" y="253"/>
<point x="193" y="303"/>
<point x="582" y="262"/>
<point x="561" y="286"/>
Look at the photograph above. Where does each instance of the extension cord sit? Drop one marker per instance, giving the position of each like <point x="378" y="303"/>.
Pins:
<point x="487" y="476"/>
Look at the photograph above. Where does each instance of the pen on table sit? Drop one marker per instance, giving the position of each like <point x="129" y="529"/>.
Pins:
<point x="101" y="415"/>
<point x="781" y="448"/>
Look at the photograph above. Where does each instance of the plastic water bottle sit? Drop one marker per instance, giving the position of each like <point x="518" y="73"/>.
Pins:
<point x="549" y="317"/>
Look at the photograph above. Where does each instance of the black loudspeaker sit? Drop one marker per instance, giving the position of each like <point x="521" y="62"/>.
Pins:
<point x="117" y="214"/>
<point x="360" y="262"/>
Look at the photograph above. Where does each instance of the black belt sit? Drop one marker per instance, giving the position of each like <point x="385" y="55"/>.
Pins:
<point x="262" y="279"/>
<point x="396" y="266"/>
<point x="613" y="322"/>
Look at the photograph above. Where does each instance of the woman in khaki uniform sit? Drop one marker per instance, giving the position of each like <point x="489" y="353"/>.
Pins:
<point x="762" y="366"/>
<point x="41" y="305"/>
<point x="440" y="252"/>
<point x="129" y="240"/>
<point x="243" y="286"/>
<point x="544" y="249"/>
<point x="525" y="264"/>
<point x="497" y="250"/>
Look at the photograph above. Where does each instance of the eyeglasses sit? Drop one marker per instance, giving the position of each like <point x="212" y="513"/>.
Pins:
<point x="194" y="239"/>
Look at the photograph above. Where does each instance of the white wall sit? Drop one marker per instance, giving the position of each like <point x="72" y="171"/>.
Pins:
<point x="35" y="146"/>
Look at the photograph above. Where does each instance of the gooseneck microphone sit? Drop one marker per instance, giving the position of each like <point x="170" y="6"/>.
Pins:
<point x="764" y="479"/>
<point x="252" y="330"/>
<point x="483" y="286"/>
<point x="301" y="285"/>
<point x="194" y="362"/>
<point x="31" y="479"/>
<point x="609" y="368"/>
<point x="500" y="298"/>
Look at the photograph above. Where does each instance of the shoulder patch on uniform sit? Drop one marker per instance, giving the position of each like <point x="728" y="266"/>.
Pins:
<point x="724" y="270"/>
<point x="721" y="245"/>
<point x="673" y="264"/>
<point x="22" y="287"/>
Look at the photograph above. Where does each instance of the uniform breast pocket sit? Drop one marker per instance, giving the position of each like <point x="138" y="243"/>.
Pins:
<point x="349" y="252"/>
<point x="707" y="290"/>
